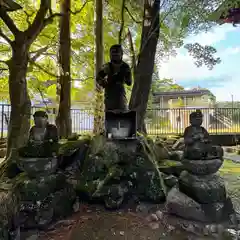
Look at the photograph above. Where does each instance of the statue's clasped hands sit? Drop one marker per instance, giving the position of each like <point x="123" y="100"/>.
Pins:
<point x="196" y="137"/>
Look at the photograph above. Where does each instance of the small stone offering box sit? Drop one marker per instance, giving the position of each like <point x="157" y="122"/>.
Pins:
<point x="121" y="125"/>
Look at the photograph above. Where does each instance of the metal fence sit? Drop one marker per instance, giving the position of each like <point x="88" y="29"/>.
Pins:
<point x="158" y="121"/>
<point x="174" y="121"/>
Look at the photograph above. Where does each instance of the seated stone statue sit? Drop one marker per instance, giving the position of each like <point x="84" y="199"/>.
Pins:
<point x="43" y="138"/>
<point x="197" y="141"/>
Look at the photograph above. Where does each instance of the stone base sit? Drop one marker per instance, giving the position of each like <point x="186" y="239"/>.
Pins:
<point x="9" y="205"/>
<point x="183" y="206"/>
<point x="202" y="167"/>
<point x="38" y="166"/>
<point x="203" y="189"/>
<point x="41" y="213"/>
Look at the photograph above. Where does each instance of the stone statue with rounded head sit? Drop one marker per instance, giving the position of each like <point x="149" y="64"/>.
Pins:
<point x="197" y="140"/>
<point x="43" y="138"/>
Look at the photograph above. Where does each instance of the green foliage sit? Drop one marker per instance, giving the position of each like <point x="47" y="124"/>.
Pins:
<point x="160" y="85"/>
<point x="204" y="55"/>
<point x="164" y="85"/>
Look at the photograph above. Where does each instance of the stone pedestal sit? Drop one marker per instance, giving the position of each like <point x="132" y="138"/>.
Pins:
<point x="45" y="193"/>
<point x="38" y="166"/>
<point x="116" y="170"/>
<point x="200" y="194"/>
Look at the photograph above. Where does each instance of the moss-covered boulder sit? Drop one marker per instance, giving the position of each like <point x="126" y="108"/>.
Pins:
<point x="39" y="214"/>
<point x="9" y="206"/>
<point x="43" y="196"/>
<point x="43" y="199"/>
<point x="115" y="169"/>
<point x="73" y="152"/>
<point x="160" y="150"/>
<point x="38" y="166"/>
<point x="171" y="167"/>
<point x="38" y="189"/>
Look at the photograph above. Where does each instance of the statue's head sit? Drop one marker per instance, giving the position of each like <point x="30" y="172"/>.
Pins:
<point x="196" y="118"/>
<point x="40" y="118"/>
<point x="116" y="53"/>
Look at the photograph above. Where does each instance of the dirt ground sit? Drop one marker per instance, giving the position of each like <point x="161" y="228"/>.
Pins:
<point x="94" y="223"/>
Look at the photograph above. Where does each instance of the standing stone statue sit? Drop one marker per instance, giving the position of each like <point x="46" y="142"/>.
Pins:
<point x="197" y="141"/>
<point x="112" y="78"/>
<point x="43" y="138"/>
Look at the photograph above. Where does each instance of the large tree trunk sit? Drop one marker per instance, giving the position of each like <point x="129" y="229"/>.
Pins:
<point x="145" y="65"/>
<point x="64" y="112"/>
<point x="99" y="107"/>
<point x="20" y="102"/>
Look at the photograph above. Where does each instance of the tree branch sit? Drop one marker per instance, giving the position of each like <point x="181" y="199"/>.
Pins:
<point x="122" y="22"/>
<point x="50" y="19"/>
<point x="43" y="69"/>
<point x="9" y="22"/>
<point x="40" y="22"/>
<point x="132" y="17"/>
<point x="5" y="37"/>
<point x="43" y="99"/>
<point x="83" y="6"/>
<point x="37" y="23"/>
<point x="28" y="17"/>
<point x="39" y="52"/>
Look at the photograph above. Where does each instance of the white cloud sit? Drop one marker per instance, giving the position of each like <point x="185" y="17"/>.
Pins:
<point x="228" y="90"/>
<point x="215" y="35"/>
<point x="230" y="51"/>
<point x="182" y="67"/>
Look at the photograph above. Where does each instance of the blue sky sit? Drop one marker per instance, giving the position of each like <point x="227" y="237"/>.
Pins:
<point x="224" y="79"/>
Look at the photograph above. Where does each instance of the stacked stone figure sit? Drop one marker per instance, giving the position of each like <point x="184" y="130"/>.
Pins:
<point x="200" y="194"/>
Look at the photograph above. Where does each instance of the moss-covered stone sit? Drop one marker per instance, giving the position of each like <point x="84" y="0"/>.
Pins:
<point x="9" y="206"/>
<point x="71" y="145"/>
<point x="40" y="214"/>
<point x="115" y="169"/>
<point x="36" y="167"/>
<point x="41" y="198"/>
<point x="73" y="152"/>
<point x="62" y="201"/>
<point x="171" y="167"/>
<point x="39" y="188"/>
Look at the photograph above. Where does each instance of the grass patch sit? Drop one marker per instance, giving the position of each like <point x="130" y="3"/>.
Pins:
<point x="169" y="163"/>
<point x="230" y="171"/>
<point x="229" y="167"/>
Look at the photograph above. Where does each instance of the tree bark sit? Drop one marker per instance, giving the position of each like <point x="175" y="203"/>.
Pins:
<point x="20" y="102"/>
<point x="99" y="106"/>
<point x="122" y="22"/>
<point x="64" y="111"/>
<point x="132" y="52"/>
<point x="145" y="65"/>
